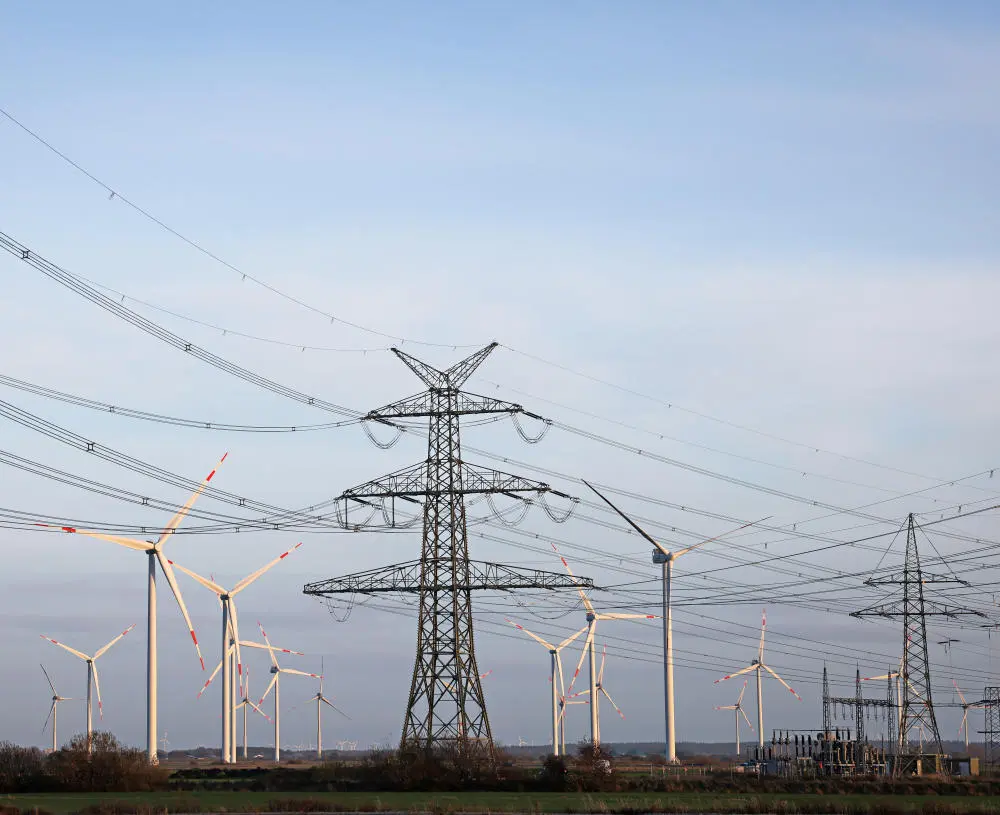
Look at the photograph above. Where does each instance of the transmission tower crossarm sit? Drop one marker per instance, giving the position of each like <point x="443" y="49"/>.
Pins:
<point x="411" y="482"/>
<point x="454" y="377"/>
<point x="926" y="577"/>
<point x="422" y="405"/>
<point x="481" y="576"/>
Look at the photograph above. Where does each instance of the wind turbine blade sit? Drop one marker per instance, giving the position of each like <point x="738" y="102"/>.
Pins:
<point x="483" y="676"/>
<point x="49" y="717"/>
<point x="274" y="678"/>
<point x="298" y="673"/>
<point x="744" y="715"/>
<point x="104" y="650"/>
<point x="62" y="645"/>
<point x="168" y="572"/>
<point x="48" y="679"/>
<point x="331" y="704"/>
<point x="131" y="543"/>
<point x="742" y="691"/>
<point x="267" y="642"/>
<point x="246" y="581"/>
<point x="626" y="616"/>
<point x="782" y="681"/>
<point x="965" y="717"/>
<point x="608" y="695"/>
<point x="210" y="679"/>
<point x="626" y="518"/>
<point x="717" y="537"/>
<point x="583" y="656"/>
<point x="562" y="682"/>
<point x="883" y="676"/>
<point x="97" y="687"/>
<point x="535" y="637"/>
<point x="953" y="682"/>
<point x="583" y="595"/>
<point x="725" y="707"/>
<point x="763" y="626"/>
<point x="604" y="659"/>
<point x="738" y="673"/>
<point x="211" y="585"/>
<point x="570" y="639"/>
<point x="234" y="621"/>
<point x="261" y="712"/>
<point x="168" y="530"/>
<point x="262" y="647"/>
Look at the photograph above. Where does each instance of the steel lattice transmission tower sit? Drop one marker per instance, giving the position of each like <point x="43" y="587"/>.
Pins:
<point x="446" y="701"/>
<point x="916" y="704"/>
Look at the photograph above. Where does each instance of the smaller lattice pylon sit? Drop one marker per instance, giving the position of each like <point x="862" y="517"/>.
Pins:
<point x="916" y="705"/>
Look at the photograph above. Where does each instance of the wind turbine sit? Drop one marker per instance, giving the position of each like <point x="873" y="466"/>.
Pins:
<point x="966" y="707"/>
<point x="53" y="711"/>
<point x="596" y="701"/>
<point x="154" y="551"/>
<point x="588" y="648"/>
<point x="92" y="680"/>
<point x="757" y="666"/>
<point x="230" y="636"/>
<point x="277" y="671"/>
<point x="321" y="700"/>
<point x="555" y="676"/>
<point x="245" y="703"/>
<point x="738" y="707"/>
<point x="664" y="556"/>
<point x="890" y="676"/>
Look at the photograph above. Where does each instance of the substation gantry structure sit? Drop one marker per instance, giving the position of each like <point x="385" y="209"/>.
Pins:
<point x="916" y="708"/>
<point x="860" y="753"/>
<point x="446" y="703"/>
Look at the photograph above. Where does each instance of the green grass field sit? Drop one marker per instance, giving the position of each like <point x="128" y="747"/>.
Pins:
<point x="481" y="802"/>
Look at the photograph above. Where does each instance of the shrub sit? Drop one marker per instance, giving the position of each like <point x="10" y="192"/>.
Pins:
<point x="20" y="767"/>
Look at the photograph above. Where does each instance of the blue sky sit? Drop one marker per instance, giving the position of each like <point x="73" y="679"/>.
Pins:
<point x="784" y="215"/>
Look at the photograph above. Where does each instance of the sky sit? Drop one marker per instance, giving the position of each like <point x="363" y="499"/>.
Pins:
<point x="756" y="243"/>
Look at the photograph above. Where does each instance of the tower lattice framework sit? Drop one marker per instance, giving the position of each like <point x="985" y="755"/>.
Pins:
<point x="446" y="702"/>
<point x="916" y="702"/>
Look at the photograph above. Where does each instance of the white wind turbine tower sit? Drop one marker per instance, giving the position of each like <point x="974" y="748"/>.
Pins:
<point x="92" y="681"/>
<point x="596" y="702"/>
<point x="588" y="648"/>
<point x="277" y="671"/>
<point x="555" y="677"/>
<point x="246" y="703"/>
<point x="154" y="551"/>
<point x="757" y="666"/>
<point x="54" y="710"/>
<point x="665" y="557"/>
<point x="321" y="700"/>
<point x="230" y="637"/>
<point x="966" y="707"/>
<point x="738" y="708"/>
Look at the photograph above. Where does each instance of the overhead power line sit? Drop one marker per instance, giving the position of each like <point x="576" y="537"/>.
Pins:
<point x="78" y="285"/>
<point x="118" y="410"/>
<point x="113" y="194"/>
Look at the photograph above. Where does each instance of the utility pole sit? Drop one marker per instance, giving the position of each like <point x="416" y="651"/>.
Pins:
<point x="446" y="703"/>
<point x="916" y="704"/>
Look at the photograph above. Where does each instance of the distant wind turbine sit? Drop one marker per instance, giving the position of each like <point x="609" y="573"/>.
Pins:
<point x="54" y="710"/>
<point x="757" y="666"/>
<point x="738" y="708"/>
<point x="588" y="649"/>
<point x="154" y="551"/>
<point x="666" y="557"/>
<point x="231" y="636"/>
<point x="92" y="681"/>
<point x="277" y="671"/>
<point x="555" y="677"/>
